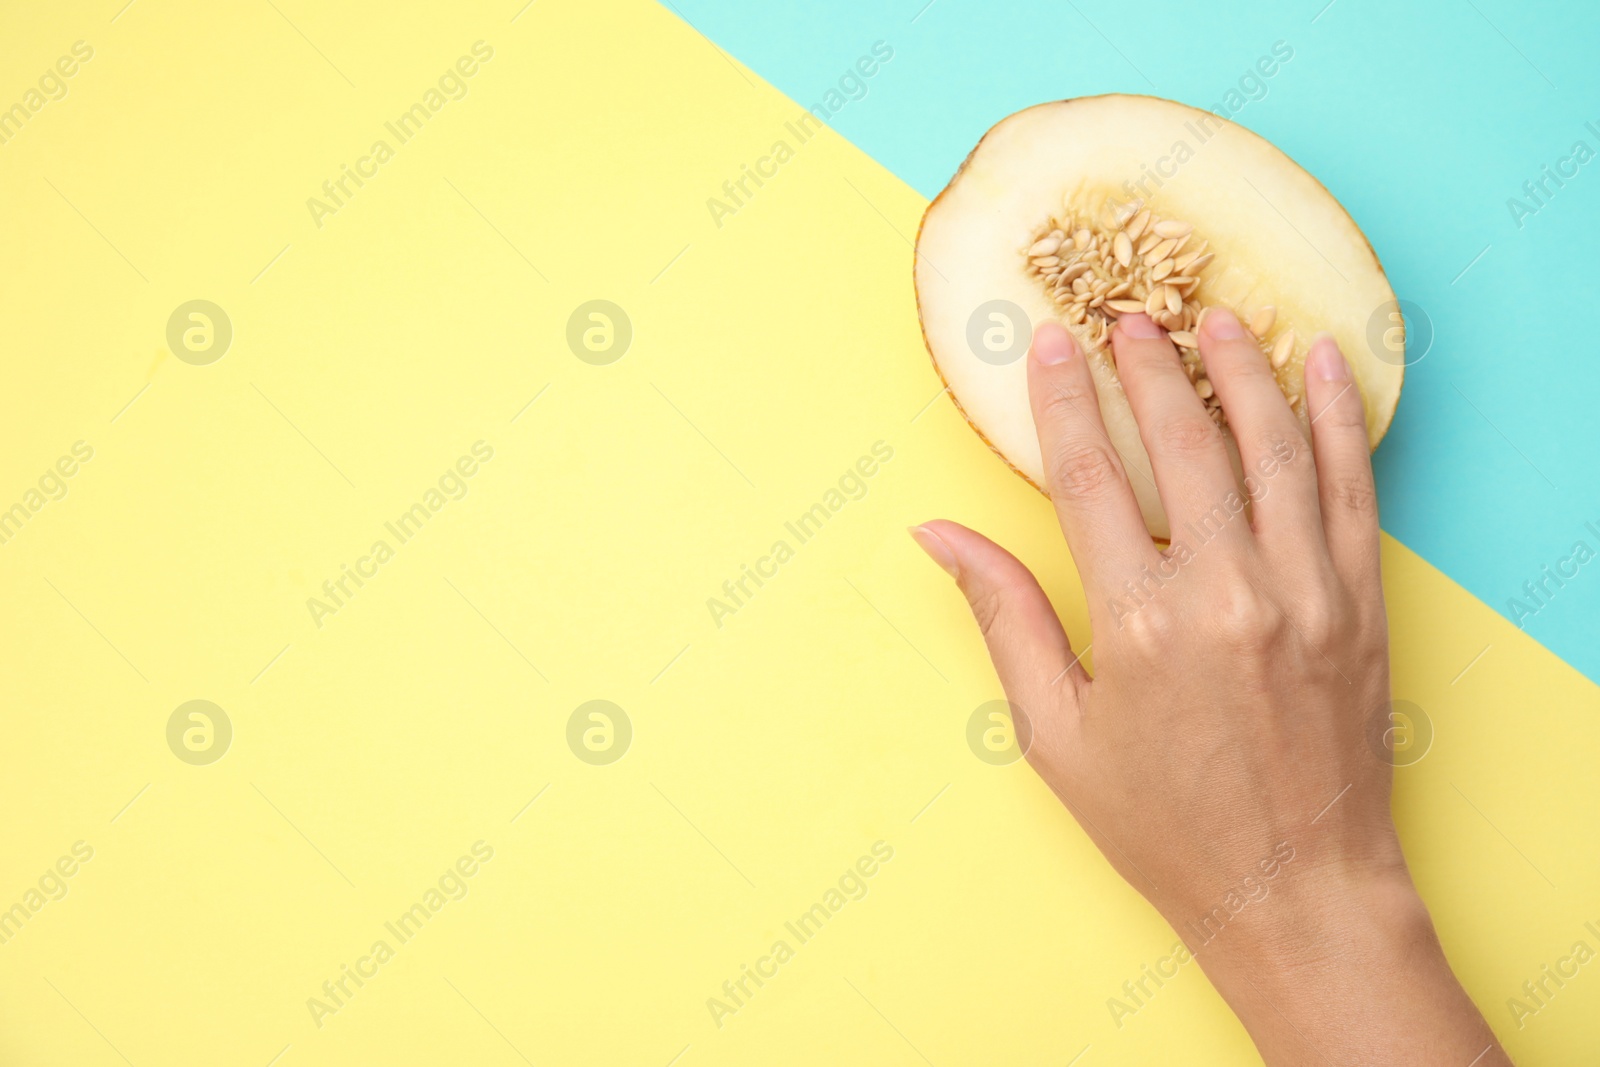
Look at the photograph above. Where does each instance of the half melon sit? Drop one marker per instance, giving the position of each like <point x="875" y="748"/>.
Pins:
<point x="1083" y="210"/>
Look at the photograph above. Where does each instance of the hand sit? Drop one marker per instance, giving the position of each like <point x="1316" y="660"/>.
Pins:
<point x="1221" y="756"/>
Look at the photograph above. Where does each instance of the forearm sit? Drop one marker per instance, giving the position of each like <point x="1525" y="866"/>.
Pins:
<point x="1359" y="979"/>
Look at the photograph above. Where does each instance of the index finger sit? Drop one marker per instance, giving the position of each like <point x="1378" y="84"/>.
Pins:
<point x="1084" y="475"/>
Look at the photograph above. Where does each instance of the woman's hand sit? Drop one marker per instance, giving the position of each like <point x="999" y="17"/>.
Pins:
<point x="1223" y="757"/>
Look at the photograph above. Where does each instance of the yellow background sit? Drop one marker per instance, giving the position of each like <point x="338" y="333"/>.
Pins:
<point x="768" y="355"/>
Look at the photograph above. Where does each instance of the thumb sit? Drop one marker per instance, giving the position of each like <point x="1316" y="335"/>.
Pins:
<point x="1029" y="648"/>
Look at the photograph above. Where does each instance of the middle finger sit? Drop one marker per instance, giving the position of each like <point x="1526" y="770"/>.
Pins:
<point x="1190" y="461"/>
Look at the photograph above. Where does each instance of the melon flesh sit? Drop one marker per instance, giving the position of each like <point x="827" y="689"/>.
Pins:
<point x="1279" y="239"/>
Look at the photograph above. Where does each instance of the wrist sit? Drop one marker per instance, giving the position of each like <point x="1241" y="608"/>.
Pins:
<point x="1317" y="926"/>
<point x="1337" y="921"/>
<point x="1299" y="902"/>
<point x="1348" y="967"/>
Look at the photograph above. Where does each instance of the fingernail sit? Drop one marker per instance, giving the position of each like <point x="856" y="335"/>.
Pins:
<point x="931" y="543"/>
<point x="1222" y="324"/>
<point x="1326" y="362"/>
<point x="1052" y="345"/>
<point x="1138" y="326"/>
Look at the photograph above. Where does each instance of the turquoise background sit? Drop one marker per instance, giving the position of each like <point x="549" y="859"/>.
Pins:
<point x="1422" y="118"/>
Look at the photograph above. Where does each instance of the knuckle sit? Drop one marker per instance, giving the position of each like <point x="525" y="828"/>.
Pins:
<point x="1346" y="414"/>
<point x="1148" y="630"/>
<point x="987" y="604"/>
<point x="1065" y="399"/>
<point x="1187" y="437"/>
<point x="1284" y="450"/>
<point x="1322" y="622"/>
<point x="1356" y="495"/>
<point x="1274" y="454"/>
<point x="1083" y="470"/>
<point x="1247" y="622"/>
<point x="1241" y="364"/>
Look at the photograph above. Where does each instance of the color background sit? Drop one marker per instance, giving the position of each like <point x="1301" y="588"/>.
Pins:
<point x="767" y="355"/>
